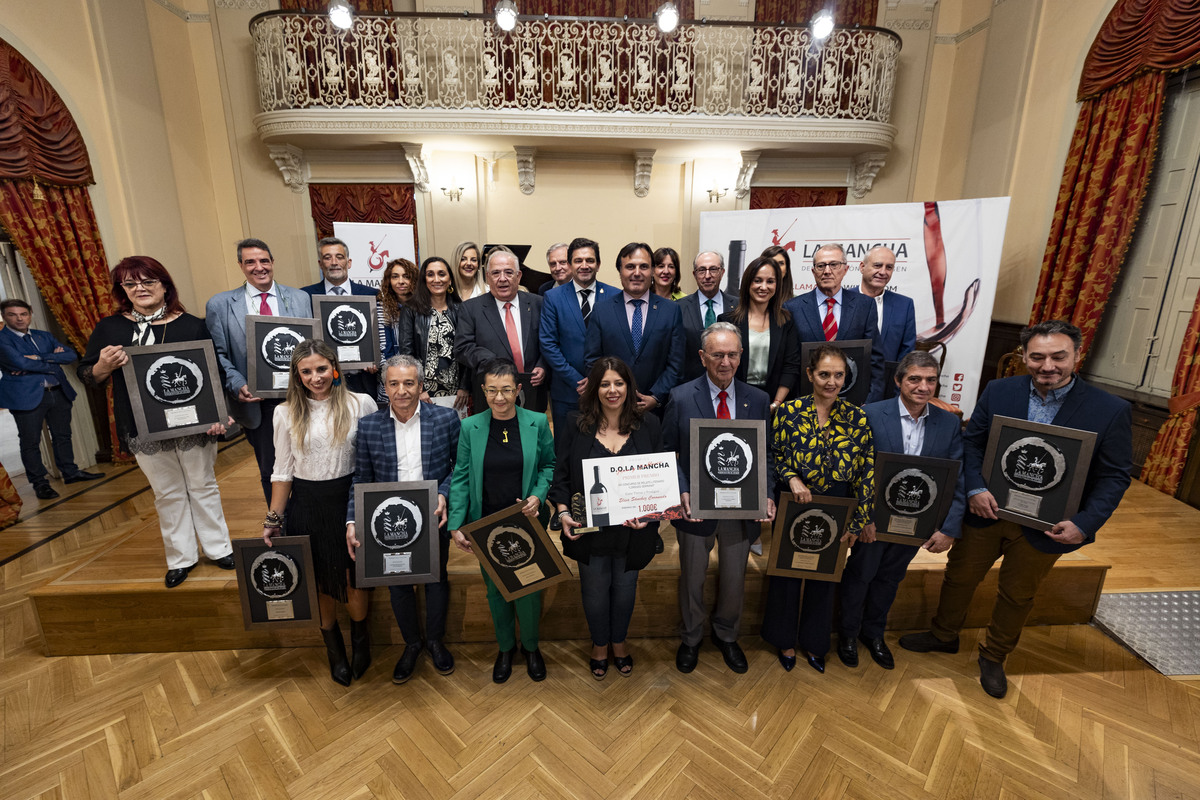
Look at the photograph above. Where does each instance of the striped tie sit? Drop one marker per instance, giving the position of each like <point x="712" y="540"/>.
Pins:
<point x="830" y="324"/>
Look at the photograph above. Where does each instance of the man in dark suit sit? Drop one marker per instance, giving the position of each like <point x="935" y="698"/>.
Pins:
<point x="411" y="441"/>
<point x="503" y="323"/>
<point x="37" y="393"/>
<point x="225" y="315"/>
<point x="562" y="329"/>
<point x="714" y="395"/>
<point x="1051" y="393"/>
<point x="829" y="314"/>
<point x="895" y="313"/>
<point x="333" y="259"/>
<point x="702" y="308"/>
<point x="640" y="328"/>
<point x="911" y="425"/>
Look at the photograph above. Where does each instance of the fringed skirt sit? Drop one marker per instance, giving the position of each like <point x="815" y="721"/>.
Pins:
<point x="317" y="509"/>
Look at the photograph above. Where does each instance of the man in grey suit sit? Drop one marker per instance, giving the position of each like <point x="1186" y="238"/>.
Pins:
<point x="225" y="314"/>
<point x="911" y="425"/>
<point x="714" y="395"/>
<point x="702" y="308"/>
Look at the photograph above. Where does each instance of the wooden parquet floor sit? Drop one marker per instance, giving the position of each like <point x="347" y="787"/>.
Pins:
<point x="1083" y="718"/>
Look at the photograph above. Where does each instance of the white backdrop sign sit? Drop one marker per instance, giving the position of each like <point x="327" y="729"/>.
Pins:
<point x="372" y="246"/>
<point x="947" y="260"/>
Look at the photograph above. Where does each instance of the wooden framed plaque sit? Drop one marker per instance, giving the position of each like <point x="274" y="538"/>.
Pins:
<point x="348" y="325"/>
<point x="912" y="496"/>
<point x="1035" y="471"/>
<point x="174" y="389"/>
<point x="516" y="552"/>
<point x="276" y="583"/>
<point x="397" y="531"/>
<point x="531" y="398"/>
<point x="806" y="541"/>
<point x="269" y="345"/>
<point x="858" y="381"/>
<point x="728" y="461"/>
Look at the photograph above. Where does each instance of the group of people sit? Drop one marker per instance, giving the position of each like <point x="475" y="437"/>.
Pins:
<point x="627" y="369"/>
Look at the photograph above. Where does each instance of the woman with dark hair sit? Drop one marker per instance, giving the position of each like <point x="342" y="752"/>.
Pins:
<point x="820" y="444"/>
<point x="779" y="255"/>
<point x="315" y="430"/>
<point x="395" y="291"/>
<point x="665" y="268"/>
<point x="608" y="423"/>
<point x="772" y="353"/>
<point x="468" y="270"/>
<point x="427" y="324"/>
<point x="179" y="470"/>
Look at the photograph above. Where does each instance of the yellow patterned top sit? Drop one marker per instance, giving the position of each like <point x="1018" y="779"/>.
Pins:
<point x="840" y="452"/>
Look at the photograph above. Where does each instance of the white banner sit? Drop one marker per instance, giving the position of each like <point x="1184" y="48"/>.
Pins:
<point x="947" y="261"/>
<point x="372" y="246"/>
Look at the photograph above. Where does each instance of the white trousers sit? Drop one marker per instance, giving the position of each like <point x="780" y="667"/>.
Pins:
<point x="188" y="503"/>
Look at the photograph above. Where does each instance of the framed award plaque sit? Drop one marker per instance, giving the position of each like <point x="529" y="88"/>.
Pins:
<point x="729" y="468"/>
<point x="858" y="381"/>
<point x="276" y="584"/>
<point x="806" y="541"/>
<point x="397" y="531"/>
<point x="912" y="496"/>
<point x="1036" y="472"/>
<point x="269" y="345"/>
<point x="516" y="552"/>
<point x="174" y="389"/>
<point x="347" y="324"/>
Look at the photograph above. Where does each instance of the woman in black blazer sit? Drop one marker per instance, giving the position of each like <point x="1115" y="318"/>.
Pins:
<point x="608" y="423"/>
<point x="770" y="347"/>
<point x="427" y="324"/>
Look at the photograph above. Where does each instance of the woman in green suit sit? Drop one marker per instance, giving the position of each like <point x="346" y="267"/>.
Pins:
<point x="505" y="455"/>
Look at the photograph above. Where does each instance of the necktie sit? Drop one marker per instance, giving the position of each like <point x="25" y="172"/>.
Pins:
<point x="709" y="316"/>
<point x="830" y="324"/>
<point x="264" y="308"/>
<point x="585" y="307"/>
<point x="722" y="406"/>
<point x="514" y="343"/>
<point x="635" y="328"/>
<point x="338" y="290"/>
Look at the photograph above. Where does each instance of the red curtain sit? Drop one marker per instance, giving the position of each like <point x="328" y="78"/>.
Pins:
<point x="393" y="203"/>
<point x="635" y="9"/>
<point x="361" y="6"/>
<point x="845" y="12"/>
<point x="795" y="197"/>
<point x="10" y="501"/>
<point x="1139" y="36"/>
<point x="1168" y="456"/>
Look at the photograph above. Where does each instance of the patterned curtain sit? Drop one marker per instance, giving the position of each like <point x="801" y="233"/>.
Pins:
<point x="361" y="6"/>
<point x="845" y="12"/>
<point x="393" y="203"/>
<point x="635" y="9"/>
<point x="10" y="501"/>
<point x="1168" y="456"/>
<point x="795" y="197"/>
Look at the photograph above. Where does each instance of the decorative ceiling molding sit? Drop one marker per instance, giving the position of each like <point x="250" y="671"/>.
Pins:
<point x="643" y="160"/>
<point x="244" y="5"/>
<point x="928" y="5"/>
<point x="291" y="164"/>
<point x="183" y="14"/>
<point x="909" y="24"/>
<point x="415" y="155"/>
<point x="746" y="172"/>
<point x="866" y="167"/>
<point x="962" y="36"/>
<point x="526" y="171"/>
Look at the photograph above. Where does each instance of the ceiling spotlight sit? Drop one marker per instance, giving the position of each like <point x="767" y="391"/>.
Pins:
<point x="341" y="14"/>
<point x="822" y="25"/>
<point x="506" y="15"/>
<point x="667" y="17"/>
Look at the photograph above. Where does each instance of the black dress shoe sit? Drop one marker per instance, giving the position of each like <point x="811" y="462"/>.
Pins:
<point x="816" y="662"/>
<point x="81" y="476"/>
<point x="686" y="657"/>
<point x="926" y="642"/>
<point x="225" y="562"/>
<point x="787" y="662"/>
<point x="881" y="654"/>
<point x="45" y="492"/>
<point x="847" y="651"/>
<point x="178" y="576"/>
<point x="735" y="659"/>
<point x="534" y="664"/>
<point x="992" y="678"/>
<point x="503" y="666"/>
<point x="443" y="662"/>
<point x="407" y="664"/>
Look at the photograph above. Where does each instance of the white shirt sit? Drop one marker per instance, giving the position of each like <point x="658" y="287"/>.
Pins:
<point x="345" y="287"/>
<point x="718" y="304"/>
<point x="714" y="390"/>
<point x="592" y="293"/>
<point x="320" y="458"/>
<point x="253" y="301"/>
<point x="879" y="311"/>
<point x="823" y="307"/>
<point x="913" y="430"/>
<point x="408" y="447"/>
<point x="516" y="315"/>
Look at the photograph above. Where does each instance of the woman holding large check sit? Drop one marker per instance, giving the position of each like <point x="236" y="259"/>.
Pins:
<point x="608" y="424"/>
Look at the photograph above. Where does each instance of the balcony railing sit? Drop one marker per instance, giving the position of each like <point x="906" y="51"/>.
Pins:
<point x="440" y="61"/>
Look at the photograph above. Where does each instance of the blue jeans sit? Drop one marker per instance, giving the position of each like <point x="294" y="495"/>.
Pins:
<point x="55" y="411"/>
<point x="608" y="595"/>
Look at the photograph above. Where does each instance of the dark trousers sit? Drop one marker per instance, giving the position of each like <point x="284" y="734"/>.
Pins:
<point x="560" y="410"/>
<point x="54" y="410"/>
<point x="608" y="593"/>
<point x="868" y="588"/>
<point x="262" y="439"/>
<point x="785" y="612"/>
<point x="437" y="601"/>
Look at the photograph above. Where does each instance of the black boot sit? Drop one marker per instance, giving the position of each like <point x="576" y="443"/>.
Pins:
<point x="360" y="647"/>
<point x="335" y="648"/>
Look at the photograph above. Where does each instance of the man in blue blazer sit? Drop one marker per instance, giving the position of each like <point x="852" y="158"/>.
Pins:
<point x="333" y="259"/>
<point x="702" y="308"/>
<point x="721" y="352"/>
<point x="849" y="315"/>
<point x="911" y="425"/>
<point x="895" y="313"/>
<point x="411" y="441"/>
<point x="225" y="315"/>
<point x="562" y="329"/>
<point x="1051" y="393"/>
<point x="640" y="328"/>
<point x="36" y="391"/>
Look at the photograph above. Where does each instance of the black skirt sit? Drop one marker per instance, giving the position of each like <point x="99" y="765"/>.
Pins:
<point x="317" y="509"/>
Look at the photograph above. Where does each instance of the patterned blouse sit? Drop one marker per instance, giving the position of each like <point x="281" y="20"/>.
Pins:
<point x="841" y="452"/>
<point x="441" y="370"/>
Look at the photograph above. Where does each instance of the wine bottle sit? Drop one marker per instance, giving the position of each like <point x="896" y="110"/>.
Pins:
<point x="598" y="502"/>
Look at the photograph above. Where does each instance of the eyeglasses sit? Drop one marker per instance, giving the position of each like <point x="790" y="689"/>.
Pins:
<point x="148" y="283"/>
<point x="507" y="391"/>
<point x="828" y="266"/>
<point x="723" y="356"/>
<point x="707" y="270"/>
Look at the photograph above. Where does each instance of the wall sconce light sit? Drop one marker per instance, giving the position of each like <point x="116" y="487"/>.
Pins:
<point x="667" y="17"/>
<point x="822" y="26"/>
<point x="341" y="14"/>
<point x="506" y="15"/>
<point x="715" y="194"/>
<point x="453" y="192"/>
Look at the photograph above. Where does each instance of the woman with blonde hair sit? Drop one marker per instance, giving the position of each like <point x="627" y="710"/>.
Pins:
<point x="467" y="270"/>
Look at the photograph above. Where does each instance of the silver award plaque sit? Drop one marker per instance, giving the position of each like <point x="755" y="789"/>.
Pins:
<point x="728" y="459"/>
<point x="1034" y="464"/>
<point x="910" y="491"/>
<point x="510" y="546"/>
<point x="274" y="575"/>
<point x="277" y="347"/>
<point x="174" y="380"/>
<point x="397" y="524"/>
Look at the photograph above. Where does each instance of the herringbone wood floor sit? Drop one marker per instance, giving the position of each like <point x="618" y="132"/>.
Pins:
<point x="1083" y="718"/>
